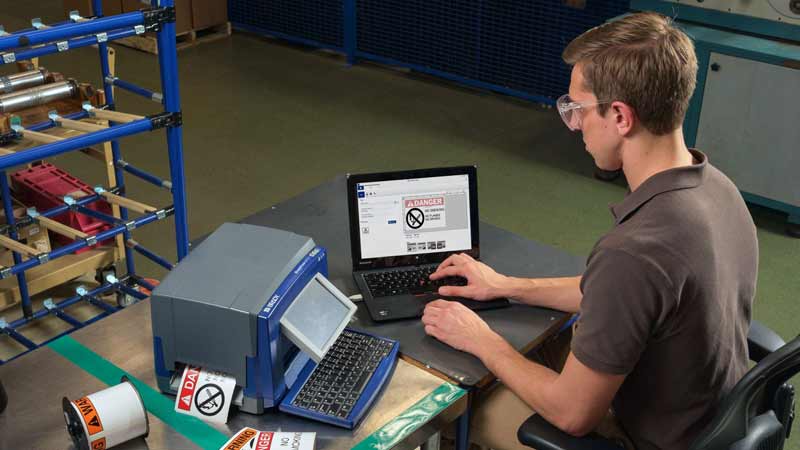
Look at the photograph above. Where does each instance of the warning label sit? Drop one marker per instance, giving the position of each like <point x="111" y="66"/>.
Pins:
<point x="188" y="386"/>
<point x="99" y="444"/>
<point x="424" y="213"/>
<point x="90" y="417"/>
<point x="240" y="439"/>
<point x="250" y="439"/>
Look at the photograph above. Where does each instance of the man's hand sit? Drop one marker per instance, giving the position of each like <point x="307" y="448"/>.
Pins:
<point x="483" y="283"/>
<point x="459" y="327"/>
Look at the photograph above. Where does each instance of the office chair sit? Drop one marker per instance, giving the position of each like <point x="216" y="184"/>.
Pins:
<point x="3" y="398"/>
<point x="756" y="415"/>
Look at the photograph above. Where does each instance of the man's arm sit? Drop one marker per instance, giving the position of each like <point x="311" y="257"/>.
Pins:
<point x="576" y="400"/>
<point x="562" y="293"/>
<point x="483" y="283"/>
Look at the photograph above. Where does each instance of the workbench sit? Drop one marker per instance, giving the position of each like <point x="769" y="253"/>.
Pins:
<point x="414" y="405"/>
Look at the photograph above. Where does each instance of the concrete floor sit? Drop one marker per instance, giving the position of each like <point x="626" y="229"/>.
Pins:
<point x="265" y="121"/>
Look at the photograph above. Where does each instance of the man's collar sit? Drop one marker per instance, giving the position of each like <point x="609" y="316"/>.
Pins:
<point x="668" y="180"/>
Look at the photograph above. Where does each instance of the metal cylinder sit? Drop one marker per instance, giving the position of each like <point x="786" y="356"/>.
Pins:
<point x="36" y="96"/>
<point x="22" y="80"/>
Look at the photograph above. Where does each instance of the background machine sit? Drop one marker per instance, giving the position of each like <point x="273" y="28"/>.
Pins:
<point x="745" y="108"/>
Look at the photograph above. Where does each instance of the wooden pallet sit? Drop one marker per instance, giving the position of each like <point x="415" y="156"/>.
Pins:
<point x="149" y="44"/>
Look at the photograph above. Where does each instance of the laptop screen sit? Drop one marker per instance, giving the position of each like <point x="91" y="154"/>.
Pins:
<point x="413" y="215"/>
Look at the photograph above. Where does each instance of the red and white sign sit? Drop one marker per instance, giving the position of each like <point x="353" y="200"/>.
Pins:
<point x="188" y="386"/>
<point x="420" y="202"/>
<point x="424" y="213"/>
<point x="251" y="439"/>
<point x="263" y="440"/>
<point x="205" y="394"/>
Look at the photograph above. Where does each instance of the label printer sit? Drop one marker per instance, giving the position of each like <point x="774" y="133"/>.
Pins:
<point x="254" y="302"/>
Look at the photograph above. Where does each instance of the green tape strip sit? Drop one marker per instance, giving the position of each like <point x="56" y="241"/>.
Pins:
<point x="412" y="418"/>
<point x="159" y="405"/>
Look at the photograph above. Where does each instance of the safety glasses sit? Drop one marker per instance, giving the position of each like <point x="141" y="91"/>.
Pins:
<point x="570" y="110"/>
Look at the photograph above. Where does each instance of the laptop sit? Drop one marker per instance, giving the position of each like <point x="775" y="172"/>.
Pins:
<point x="402" y="226"/>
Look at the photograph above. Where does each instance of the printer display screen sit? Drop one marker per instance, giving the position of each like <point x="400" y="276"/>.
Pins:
<point x="317" y="314"/>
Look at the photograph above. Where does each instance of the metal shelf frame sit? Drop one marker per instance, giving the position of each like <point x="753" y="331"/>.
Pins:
<point x="99" y="31"/>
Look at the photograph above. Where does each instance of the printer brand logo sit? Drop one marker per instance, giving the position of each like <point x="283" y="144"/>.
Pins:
<point x="271" y="303"/>
<point x="187" y="388"/>
<point x="302" y="266"/>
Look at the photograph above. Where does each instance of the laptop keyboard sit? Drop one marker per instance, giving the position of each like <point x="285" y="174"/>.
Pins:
<point x="408" y="281"/>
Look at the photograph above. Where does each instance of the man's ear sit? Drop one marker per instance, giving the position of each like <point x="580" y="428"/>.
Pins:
<point x="624" y="117"/>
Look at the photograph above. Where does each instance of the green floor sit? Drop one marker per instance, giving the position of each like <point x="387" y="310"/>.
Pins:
<point x="265" y="121"/>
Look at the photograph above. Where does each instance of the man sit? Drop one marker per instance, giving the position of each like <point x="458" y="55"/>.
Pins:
<point x="666" y="296"/>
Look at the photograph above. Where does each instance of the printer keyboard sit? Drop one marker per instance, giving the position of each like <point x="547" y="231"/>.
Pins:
<point x="339" y="379"/>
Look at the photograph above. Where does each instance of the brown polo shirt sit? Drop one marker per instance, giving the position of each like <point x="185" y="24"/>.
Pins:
<point x="667" y="296"/>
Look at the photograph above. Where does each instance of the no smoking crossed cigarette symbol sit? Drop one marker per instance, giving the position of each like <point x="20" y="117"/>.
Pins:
<point x="209" y="400"/>
<point x="415" y="218"/>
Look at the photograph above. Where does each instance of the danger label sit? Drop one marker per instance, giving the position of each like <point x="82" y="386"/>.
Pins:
<point x="263" y="441"/>
<point x="424" y="213"/>
<point x="240" y="439"/>
<point x="99" y="444"/>
<point x="188" y="386"/>
<point x="431" y="201"/>
<point x="250" y="439"/>
<point x="205" y="394"/>
<point x="90" y="416"/>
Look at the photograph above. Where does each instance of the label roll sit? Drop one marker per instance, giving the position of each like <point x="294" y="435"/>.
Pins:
<point x="107" y="418"/>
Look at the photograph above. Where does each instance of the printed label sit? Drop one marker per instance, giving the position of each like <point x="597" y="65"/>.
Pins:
<point x="240" y="439"/>
<point x="205" y="394"/>
<point x="188" y="386"/>
<point x="90" y="417"/>
<point x="251" y="439"/>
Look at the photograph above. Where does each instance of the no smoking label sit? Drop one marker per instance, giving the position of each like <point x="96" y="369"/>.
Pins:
<point x="205" y="394"/>
<point x="209" y="399"/>
<point x="424" y="213"/>
<point x="415" y="218"/>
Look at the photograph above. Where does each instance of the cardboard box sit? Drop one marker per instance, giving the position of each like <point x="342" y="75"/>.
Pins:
<point x="208" y="13"/>
<point x="189" y="14"/>
<point x="33" y="235"/>
<point x="110" y="7"/>
<point x="183" y="13"/>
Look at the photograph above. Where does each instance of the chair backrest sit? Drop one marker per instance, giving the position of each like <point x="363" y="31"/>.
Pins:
<point x="3" y="397"/>
<point x="758" y="411"/>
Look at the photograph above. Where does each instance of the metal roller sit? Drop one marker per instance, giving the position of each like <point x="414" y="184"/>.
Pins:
<point x="38" y="95"/>
<point x="23" y="80"/>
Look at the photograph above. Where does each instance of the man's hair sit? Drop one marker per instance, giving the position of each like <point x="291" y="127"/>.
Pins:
<point x="643" y="61"/>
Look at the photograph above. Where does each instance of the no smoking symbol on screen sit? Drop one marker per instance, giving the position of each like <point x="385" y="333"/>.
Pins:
<point x="415" y="218"/>
<point x="210" y="399"/>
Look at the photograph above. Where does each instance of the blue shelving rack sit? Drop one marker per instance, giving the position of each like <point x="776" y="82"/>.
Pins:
<point x="76" y="33"/>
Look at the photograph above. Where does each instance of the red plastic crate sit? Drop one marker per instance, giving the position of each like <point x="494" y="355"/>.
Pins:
<point x="45" y="185"/>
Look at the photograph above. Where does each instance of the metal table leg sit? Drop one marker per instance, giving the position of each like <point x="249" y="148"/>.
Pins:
<point x="462" y="426"/>
<point x="432" y="443"/>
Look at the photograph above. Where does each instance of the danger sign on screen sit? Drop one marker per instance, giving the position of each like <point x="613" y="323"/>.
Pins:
<point x="424" y="213"/>
<point x="418" y="202"/>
